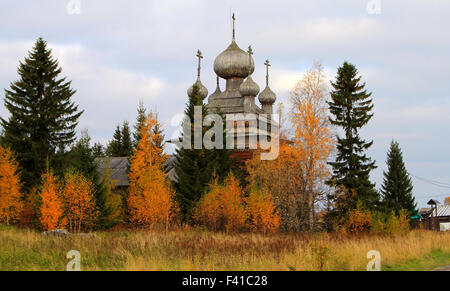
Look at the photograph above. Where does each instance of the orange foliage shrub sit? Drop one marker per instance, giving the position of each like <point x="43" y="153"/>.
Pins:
<point x="150" y="200"/>
<point x="52" y="210"/>
<point x="398" y="224"/>
<point x="207" y="211"/>
<point x="261" y="212"/>
<point x="222" y="207"/>
<point x="10" y="197"/>
<point x="358" y="221"/>
<point x="79" y="203"/>
<point x="283" y="179"/>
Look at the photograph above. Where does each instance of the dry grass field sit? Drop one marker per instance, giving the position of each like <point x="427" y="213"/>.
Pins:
<point x="200" y="250"/>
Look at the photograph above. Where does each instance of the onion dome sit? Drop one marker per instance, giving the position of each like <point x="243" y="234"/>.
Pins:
<point x="233" y="62"/>
<point x="249" y="87"/>
<point x="202" y="89"/>
<point x="267" y="96"/>
<point x="216" y="93"/>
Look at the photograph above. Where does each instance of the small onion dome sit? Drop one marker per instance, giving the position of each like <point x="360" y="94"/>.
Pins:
<point x="216" y="93"/>
<point x="249" y="88"/>
<point x="202" y="89"/>
<point x="233" y="62"/>
<point x="267" y="96"/>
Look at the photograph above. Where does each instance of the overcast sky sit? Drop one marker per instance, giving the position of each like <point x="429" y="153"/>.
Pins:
<point x="119" y="52"/>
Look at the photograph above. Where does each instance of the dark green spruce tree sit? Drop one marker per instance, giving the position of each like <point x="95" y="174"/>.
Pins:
<point x="351" y="109"/>
<point x="114" y="147"/>
<point x="140" y="119"/>
<point x="195" y="168"/>
<point x="397" y="187"/>
<point x="98" y="149"/>
<point x="121" y="144"/>
<point x="126" y="143"/>
<point x="43" y="117"/>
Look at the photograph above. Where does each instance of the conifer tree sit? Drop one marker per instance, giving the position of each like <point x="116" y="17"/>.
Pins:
<point x="397" y="187"/>
<point x="126" y="143"/>
<point x="98" y="150"/>
<point x="114" y="146"/>
<point x="159" y="135"/>
<point x="140" y="120"/>
<point x="195" y="168"/>
<point x="351" y="108"/>
<point x="121" y="144"/>
<point x="43" y="117"/>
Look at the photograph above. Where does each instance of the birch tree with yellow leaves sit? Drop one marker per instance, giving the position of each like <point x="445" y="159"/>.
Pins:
<point x="10" y="197"/>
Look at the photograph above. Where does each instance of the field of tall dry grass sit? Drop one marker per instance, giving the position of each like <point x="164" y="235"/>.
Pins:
<point x="200" y="250"/>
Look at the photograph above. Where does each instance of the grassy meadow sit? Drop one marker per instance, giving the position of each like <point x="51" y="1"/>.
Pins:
<point x="200" y="250"/>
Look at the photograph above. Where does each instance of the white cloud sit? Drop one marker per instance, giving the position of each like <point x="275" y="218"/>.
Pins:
<point x="117" y="52"/>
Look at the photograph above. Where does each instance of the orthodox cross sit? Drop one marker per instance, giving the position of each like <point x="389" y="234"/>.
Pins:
<point x="234" y="30"/>
<point x="199" y="56"/>
<point x="267" y="64"/>
<point x="250" y="53"/>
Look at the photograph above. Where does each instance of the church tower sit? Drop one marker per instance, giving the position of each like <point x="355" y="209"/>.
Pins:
<point x="238" y="99"/>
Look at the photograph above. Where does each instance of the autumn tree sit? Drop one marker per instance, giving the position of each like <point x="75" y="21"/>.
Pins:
<point x="283" y="179"/>
<point x="150" y="199"/>
<point x="10" y="197"/>
<point x="79" y="201"/>
<point x="313" y="140"/>
<point x="447" y="201"/>
<point x="52" y="209"/>
<point x="296" y="179"/>
<point x="82" y="158"/>
<point x="262" y="215"/>
<point x="207" y="211"/>
<point x="222" y="207"/>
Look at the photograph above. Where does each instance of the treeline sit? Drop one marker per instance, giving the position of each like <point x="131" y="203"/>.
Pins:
<point x="50" y="180"/>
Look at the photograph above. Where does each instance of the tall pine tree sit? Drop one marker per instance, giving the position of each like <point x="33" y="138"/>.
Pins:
<point x="195" y="168"/>
<point x="351" y="108"/>
<point x="397" y="187"/>
<point x="43" y="117"/>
